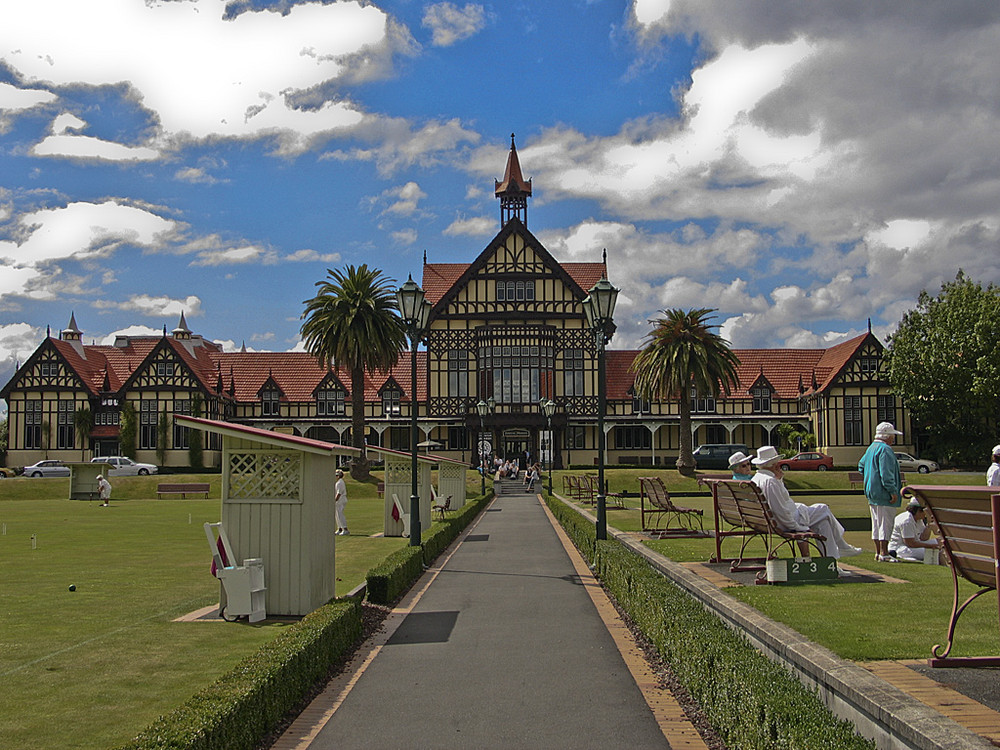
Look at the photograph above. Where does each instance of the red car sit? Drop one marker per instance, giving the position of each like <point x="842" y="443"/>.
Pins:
<point x="807" y="461"/>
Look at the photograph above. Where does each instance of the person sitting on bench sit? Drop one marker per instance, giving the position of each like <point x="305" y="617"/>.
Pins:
<point x="910" y="535"/>
<point x="793" y="516"/>
<point x="739" y="464"/>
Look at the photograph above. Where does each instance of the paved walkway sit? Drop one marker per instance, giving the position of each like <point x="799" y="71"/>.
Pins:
<point x="500" y="646"/>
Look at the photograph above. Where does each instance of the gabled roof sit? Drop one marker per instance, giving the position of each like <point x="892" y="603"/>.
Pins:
<point x="836" y="358"/>
<point x="442" y="281"/>
<point x="298" y="374"/>
<point x="277" y="439"/>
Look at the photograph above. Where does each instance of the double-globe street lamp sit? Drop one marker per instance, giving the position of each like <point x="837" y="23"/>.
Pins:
<point x="484" y="408"/>
<point x="414" y="310"/>
<point x="548" y="409"/>
<point x="599" y="307"/>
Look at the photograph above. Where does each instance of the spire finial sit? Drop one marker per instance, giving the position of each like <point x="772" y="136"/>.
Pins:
<point x="425" y="256"/>
<point x="512" y="140"/>
<point x="604" y="256"/>
<point x="869" y="325"/>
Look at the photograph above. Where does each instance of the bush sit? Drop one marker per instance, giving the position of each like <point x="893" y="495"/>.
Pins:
<point x="751" y="701"/>
<point x="393" y="576"/>
<point x="388" y="580"/>
<point x="242" y="706"/>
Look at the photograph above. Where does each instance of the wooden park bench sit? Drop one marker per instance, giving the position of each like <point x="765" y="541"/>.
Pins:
<point x="669" y="520"/>
<point x="967" y="519"/>
<point x="182" y="488"/>
<point x="743" y="511"/>
<point x="380" y="489"/>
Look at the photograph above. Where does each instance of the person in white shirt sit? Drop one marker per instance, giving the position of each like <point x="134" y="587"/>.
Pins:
<point x="993" y="473"/>
<point x="340" y="502"/>
<point x="793" y="516"/>
<point x="104" y="490"/>
<point x="910" y="535"/>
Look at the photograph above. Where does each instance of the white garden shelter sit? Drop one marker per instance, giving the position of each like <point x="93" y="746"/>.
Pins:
<point x="398" y="466"/>
<point x="277" y="505"/>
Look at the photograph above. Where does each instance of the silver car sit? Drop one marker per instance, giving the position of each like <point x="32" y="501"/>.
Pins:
<point x="919" y="465"/>
<point x="50" y="467"/>
<point x="123" y="466"/>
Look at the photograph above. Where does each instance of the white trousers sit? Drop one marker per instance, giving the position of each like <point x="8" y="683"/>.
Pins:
<point x="820" y="519"/>
<point x="883" y="517"/>
<point x="341" y="518"/>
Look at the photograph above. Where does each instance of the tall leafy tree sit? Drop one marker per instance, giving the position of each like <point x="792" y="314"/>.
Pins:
<point x="683" y="352"/>
<point x="196" y="455"/>
<point x="83" y="422"/>
<point x="943" y="361"/>
<point x="129" y="430"/>
<point x="353" y="322"/>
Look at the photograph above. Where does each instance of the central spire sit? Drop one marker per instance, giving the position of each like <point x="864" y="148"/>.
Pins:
<point x="513" y="191"/>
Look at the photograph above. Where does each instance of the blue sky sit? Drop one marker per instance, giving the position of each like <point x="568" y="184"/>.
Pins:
<point x="799" y="167"/>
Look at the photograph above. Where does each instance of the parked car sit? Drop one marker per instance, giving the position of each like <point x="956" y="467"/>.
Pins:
<point x="50" y="467"/>
<point x="919" y="465"/>
<point x="716" y="455"/>
<point x="5" y="472"/>
<point x="807" y="461"/>
<point x="123" y="466"/>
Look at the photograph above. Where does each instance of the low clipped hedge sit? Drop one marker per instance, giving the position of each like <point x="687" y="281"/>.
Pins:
<point x="393" y="576"/>
<point x="388" y="580"/>
<point x="243" y="705"/>
<point x="752" y="702"/>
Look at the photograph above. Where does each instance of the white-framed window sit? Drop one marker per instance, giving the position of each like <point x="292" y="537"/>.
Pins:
<point x="701" y="404"/>
<point x="330" y="402"/>
<point x="148" y="414"/>
<point x="853" y="421"/>
<point x="390" y="402"/>
<point x="761" y="395"/>
<point x="458" y="372"/>
<point x="270" y="402"/>
<point x="33" y="424"/>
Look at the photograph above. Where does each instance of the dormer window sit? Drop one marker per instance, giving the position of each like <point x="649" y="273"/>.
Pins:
<point x="703" y="404"/>
<point x="330" y="402"/>
<point x="639" y="404"/>
<point x="761" y="395"/>
<point x="391" y="397"/>
<point x="270" y="402"/>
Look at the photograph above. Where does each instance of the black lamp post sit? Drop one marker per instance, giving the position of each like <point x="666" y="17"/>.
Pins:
<point x="548" y="409"/>
<point x="415" y="312"/>
<point x="599" y="307"/>
<point x="484" y="408"/>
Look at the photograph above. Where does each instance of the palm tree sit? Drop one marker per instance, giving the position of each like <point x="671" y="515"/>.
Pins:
<point x="83" y="422"/>
<point x="682" y="352"/>
<point x="353" y="322"/>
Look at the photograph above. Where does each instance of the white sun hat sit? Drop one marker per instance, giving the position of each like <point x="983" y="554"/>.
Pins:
<point x="738" y="458"/>
<point x="884" y="429"/>
<point x="766" y="454"/>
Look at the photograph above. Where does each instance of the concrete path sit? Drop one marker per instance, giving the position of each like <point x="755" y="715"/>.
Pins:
<point x="499" y="647"/>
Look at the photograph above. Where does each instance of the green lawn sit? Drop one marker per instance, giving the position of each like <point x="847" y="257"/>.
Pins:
<point x="92" y="667"/>
<point x="859" y="621"/>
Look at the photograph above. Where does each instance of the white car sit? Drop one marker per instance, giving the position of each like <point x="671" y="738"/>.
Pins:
<point x="50" y="467"/>
<point x="122" y="466"/>
<point x="919" y="465"/>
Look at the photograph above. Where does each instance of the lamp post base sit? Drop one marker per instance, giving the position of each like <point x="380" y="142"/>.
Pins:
<point x="414" y="520"/>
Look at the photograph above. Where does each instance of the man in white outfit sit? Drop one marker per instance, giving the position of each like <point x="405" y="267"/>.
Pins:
<point x="793" y="516"/>
<point x="340" y="502"/>
<point x="993" y="474"/>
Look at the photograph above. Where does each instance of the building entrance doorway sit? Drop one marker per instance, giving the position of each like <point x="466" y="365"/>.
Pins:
<point x="515" y="445"/>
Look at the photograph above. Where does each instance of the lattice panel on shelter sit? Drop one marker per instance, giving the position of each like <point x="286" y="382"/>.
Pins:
<point x="397" y="473"/>
<point x="265" y="474"/>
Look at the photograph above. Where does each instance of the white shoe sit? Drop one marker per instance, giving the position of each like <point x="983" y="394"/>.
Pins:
<point x="345" y="532"/>
<point x="338" y="532"/>
<point x="850" y="551"/>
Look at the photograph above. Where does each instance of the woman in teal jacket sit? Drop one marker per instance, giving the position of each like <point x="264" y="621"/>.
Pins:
<point x="883" y="483"/>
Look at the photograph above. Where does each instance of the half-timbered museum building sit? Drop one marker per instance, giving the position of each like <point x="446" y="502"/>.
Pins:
<point x="507" y="331"/>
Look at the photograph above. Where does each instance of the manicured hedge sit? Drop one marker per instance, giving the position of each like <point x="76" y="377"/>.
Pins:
<point x="393" y="576"/>
<point x="242" y="706"/>
<point x="388" y="580"/>
<point x="752" y="702"/>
